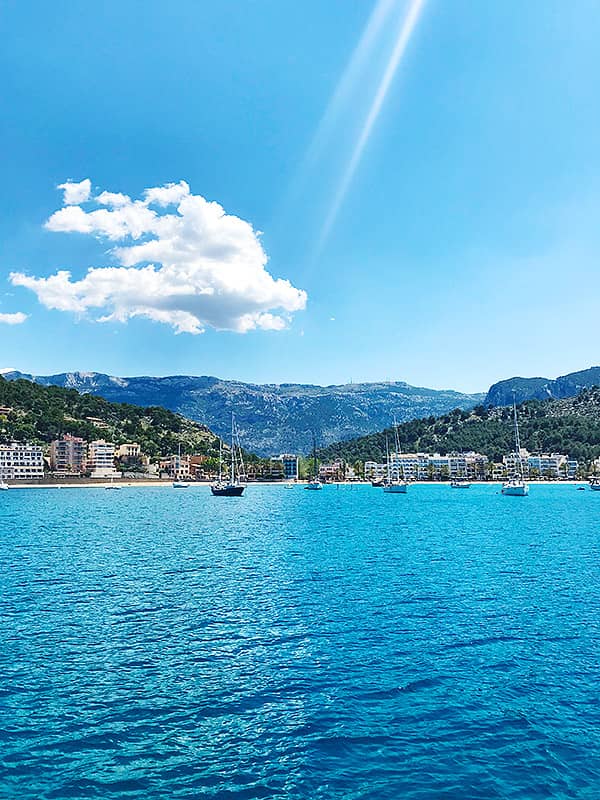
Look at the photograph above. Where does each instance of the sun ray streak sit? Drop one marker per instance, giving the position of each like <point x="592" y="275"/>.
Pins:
<point x="347" y="83"/>
<point x="407" y="26"/>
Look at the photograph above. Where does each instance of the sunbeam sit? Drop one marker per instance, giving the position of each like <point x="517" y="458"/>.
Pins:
<point x="351" y="74"/>
<point x="407" y="26"/>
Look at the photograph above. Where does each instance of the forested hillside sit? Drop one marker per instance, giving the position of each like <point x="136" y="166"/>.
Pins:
<point x="569" y="426"/>
<point x="39" y="414"/>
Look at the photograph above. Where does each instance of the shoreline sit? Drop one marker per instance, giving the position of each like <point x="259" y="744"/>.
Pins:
<point x="168" y="484"/>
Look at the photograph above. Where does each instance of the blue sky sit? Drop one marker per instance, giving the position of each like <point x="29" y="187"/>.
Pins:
<point x="464" y="249"/>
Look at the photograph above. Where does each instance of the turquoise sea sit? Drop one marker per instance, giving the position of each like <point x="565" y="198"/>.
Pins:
<point x="159" y="643"/>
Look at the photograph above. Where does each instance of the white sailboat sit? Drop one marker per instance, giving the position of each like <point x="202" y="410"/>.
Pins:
<point x="460" y="483"/>
<point x="392" y="483"/>
<point x="177" y="483"/>
<point x="516" y="486"/>
<point x="234" y="487"/>
<point x="3" y="484"/>
<point x="315" y="483"/>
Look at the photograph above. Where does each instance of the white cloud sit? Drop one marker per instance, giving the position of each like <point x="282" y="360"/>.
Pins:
<point x="18" y="318"/>
<point x="6" y="370"/>
<point x="170" y="195"/>
<point x="74" y="193"/>
<point x="192" y="267"/>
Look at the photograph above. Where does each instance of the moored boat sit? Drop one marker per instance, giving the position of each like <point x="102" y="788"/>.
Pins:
<point x="460" y="483"/>
<point x="516" y="485"/>
<point x="234" y="487"/>
<point x="314" y="484"/>
<point x="595" y="484"/>
<point x="392" y="483"/>
<point x="178" y="483"/>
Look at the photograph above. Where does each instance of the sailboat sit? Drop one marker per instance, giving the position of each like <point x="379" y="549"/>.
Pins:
<point x="460" y="483"/>
<point x="594" y="484"/>
<point x="112" y="484"/>
<point x="3" y="484"/>
<point x="516" y="486"/>
<point x="179" y="484"/>
<point x="234" y="488"/>
<point x="391" y="484"/>
<point x="315" y="483"/>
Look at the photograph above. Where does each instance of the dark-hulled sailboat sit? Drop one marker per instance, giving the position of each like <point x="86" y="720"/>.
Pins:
<point x="234" y="487"/>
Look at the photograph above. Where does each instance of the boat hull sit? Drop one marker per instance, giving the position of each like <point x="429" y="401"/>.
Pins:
<point x="516" y="491"/>
<point x="227" y="491"/>
<point x="314" y="485"/>
<point x="396" y="488"/>
<point x="595" y="487"/>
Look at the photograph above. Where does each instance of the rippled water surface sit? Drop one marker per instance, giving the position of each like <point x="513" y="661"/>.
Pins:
<point x="291" y="644"/>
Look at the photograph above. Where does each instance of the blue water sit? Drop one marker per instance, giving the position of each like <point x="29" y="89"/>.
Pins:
<point x="292" y="644"/>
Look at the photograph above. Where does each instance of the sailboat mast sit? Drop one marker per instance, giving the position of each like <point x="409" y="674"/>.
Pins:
<point x="314" y="456"/>
<point x="220" y="459"/>
<point x="517" y="439"/>
<point x="232" y="453"/>
<point x="387" y="459"/>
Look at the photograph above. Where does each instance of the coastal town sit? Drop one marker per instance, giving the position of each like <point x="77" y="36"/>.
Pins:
<point x="71" y="458"/>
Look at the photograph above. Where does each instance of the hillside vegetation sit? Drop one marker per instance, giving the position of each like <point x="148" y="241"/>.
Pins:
<point x="569" y="426"/>
<point x="40" y="414"/>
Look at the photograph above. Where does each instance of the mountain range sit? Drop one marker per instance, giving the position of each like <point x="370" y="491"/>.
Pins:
<point x="277" y="418"/>
<point x="272" y="419"/>
<point x="501" y="393"/>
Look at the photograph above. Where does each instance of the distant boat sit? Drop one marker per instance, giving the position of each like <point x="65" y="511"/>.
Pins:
<point x="234" y="487"/>
<point x="393" y="485"/>
<point x="516" y="486"/>
<point x="3" y="485"/>
<point x="179" y="484"/>
<point x="460" y="483"/>
<point x="595" y="484"/>
<point x="377" y="484"/>
<point x="315" y="483"/>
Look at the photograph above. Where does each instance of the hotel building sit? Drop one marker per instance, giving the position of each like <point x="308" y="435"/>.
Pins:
<point x="101" y="459"/>
<point x="21" y="462"/>
<point x="68" y="455"/>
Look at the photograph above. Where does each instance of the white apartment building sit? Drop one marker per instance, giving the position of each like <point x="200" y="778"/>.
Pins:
<point x="101" y="459"/>
<point x="541" y="465"/>
<point x="21" y="462"/>
<point x="430" y="466"/>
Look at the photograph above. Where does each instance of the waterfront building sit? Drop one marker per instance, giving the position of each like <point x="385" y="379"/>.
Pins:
<point x="129" y="453"/>
<point x="21" y="462"/>
<point x="271" y="470"/>
<point x="68" y="455"/>
<point x="541" y="465"/>
<point x="101" y="459"/>
<point x="290" y="466"/>
<point x="552" y="465"/>
<point x="177" y="467"/>
<point x="430" y="466"/>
